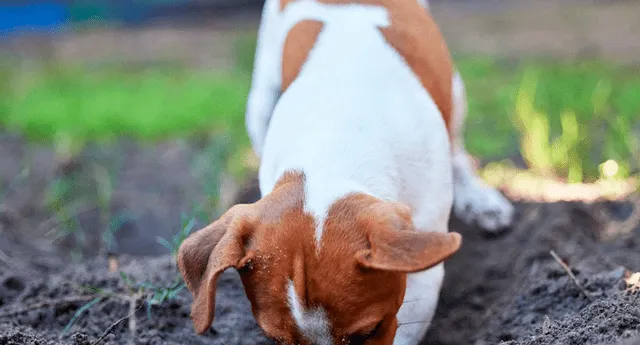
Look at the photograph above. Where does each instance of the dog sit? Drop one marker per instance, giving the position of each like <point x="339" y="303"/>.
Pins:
<point x="356" y="113"/>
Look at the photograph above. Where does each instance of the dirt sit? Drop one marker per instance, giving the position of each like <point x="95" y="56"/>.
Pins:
<point x="43" y="308"/>
<point x="505" y="288"/>
<point x="510" y="289"/>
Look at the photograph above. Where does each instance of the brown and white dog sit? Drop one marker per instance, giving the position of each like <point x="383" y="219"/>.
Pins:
<point x="356" y="112"/>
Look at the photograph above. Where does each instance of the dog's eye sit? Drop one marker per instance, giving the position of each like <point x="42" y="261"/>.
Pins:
<point x="361" y="338"/>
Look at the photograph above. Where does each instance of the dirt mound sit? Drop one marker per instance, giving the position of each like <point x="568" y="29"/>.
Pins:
<point x="504" y="289"/>
<point x="511" y="289"/>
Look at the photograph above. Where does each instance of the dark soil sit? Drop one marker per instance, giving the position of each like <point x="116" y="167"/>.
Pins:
<point x="40" y="307"/>
<point x="498" y="289"/>
<point x="510" y="289"/>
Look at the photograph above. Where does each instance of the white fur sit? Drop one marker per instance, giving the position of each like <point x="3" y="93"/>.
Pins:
<point x="313" y="324"/>
<point x="356" y="119"/>
<point x="318" y="199"/>
<point x="419" y="305"/>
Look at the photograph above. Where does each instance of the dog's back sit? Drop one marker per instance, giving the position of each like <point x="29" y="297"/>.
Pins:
<point x="408" y="29"/>
<point x="354" y="108"/>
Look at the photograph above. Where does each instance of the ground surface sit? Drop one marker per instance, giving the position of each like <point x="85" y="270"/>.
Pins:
<point x="503" y="288"/>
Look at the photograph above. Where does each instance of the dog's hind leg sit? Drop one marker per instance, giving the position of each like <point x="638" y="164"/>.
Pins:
<point x="474" y="201"/>
<point x="266" y="79"/>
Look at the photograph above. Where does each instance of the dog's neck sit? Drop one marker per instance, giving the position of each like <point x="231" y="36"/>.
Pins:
<point x="321" y="190"/>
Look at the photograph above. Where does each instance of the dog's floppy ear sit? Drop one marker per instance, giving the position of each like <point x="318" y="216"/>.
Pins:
<point x="205" y="254"/>
<point x="395" y="245"/>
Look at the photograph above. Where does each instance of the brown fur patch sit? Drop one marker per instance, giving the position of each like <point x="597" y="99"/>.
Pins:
<point x="413" y="33"/>
<point x="300" y="40"/>
<point x="416" y="36"/>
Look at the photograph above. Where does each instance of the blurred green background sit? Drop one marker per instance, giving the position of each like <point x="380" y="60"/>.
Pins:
<point x="585" y="110"/>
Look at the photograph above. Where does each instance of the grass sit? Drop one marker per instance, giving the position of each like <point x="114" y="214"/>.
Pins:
<point x="545" y="110"/>
<point x="148" y="103"/>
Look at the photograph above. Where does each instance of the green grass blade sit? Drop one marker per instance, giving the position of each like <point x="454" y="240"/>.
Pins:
<point x="78" y="313"/>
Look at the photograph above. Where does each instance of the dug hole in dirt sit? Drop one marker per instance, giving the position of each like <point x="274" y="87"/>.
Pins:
<point x="502" y="289"/>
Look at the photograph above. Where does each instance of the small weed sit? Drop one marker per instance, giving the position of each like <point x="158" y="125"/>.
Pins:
<point x="163" y="294"/>
<point x="79" y="312"/>
<point x="87" y="188"/>
<point x="173" y="244"/>
<point x="65" y="212"/>
<point x="116" y="223"/>
<point x="105" y="181"/>
<point x="208" y="167"/>
<point x="156" y="295"/>
<point x="153" y="296"/>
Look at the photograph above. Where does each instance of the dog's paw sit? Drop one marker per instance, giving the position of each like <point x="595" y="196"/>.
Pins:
<point x="484" y="207"/>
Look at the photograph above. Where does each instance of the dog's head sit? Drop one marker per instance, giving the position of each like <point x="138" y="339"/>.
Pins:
<point x="344" y="288"/>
